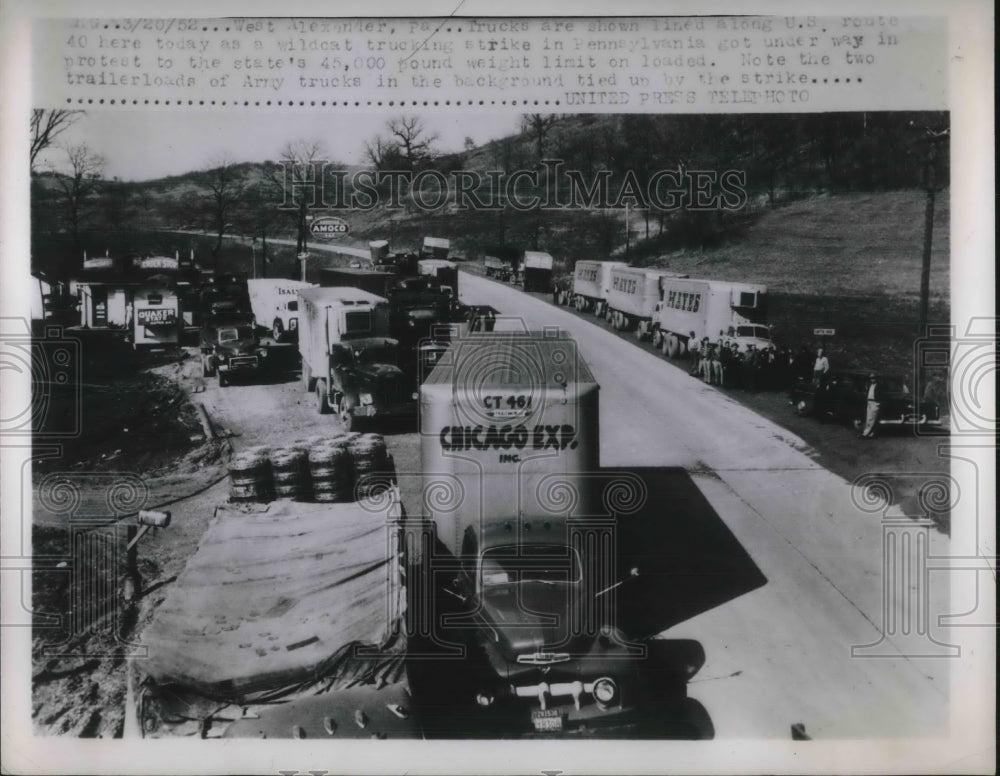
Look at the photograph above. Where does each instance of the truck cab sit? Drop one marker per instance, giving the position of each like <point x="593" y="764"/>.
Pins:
<point x="531" y="607"/>
<point x="230" y="349"/>
<point x="367" y="381"/>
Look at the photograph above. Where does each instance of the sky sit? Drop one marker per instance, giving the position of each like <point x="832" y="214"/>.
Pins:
<point x="147" y="144"/>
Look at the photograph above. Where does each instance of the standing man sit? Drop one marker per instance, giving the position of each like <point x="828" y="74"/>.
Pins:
<point x="820" y="367"/>
<point x="874" y="395"/>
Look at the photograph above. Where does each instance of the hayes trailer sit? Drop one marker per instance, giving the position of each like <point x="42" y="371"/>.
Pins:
<point x="591" y="284"/>
<point x="537" y="271"/>
<point x="347" y="358"/>
<point x="275" y="305"/>
<point x="632" y="298"/>
<point x="691" y="309"/>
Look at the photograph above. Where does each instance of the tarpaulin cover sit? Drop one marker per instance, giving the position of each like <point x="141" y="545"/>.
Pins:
<point x="275" y="591"/>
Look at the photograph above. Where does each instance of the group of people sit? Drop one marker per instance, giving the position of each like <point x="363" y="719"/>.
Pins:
<point x="722" y="363"/>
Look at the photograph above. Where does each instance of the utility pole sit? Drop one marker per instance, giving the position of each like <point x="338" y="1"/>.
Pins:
<point x="932" y="185"/>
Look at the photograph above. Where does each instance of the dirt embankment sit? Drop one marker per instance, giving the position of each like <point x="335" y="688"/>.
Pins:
<point x="142" y="440"/>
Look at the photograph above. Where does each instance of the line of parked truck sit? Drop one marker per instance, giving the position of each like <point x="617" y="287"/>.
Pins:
<point x="674" y="310"/>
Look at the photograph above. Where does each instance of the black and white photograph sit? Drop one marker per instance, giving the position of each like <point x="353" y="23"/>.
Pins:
<point x="647" y="418"/>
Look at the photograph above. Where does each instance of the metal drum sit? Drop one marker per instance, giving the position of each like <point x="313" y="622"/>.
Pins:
<point x="370" y="459"/>
<point x="331" y="471"/>
<point x="290" y="469"/>
<point x="250" y="477"/>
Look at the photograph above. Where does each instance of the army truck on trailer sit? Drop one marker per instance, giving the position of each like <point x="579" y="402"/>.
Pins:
<point x="435" y="248"/>
<point x="537" y="271"/>
<point x="444" y="273"/>
<point x="347" y="358"/>
<point x="591" y="284"/>
<point x="513" y="420"/>
<point x="691" y="309"/>
<point x="275" y="305"/>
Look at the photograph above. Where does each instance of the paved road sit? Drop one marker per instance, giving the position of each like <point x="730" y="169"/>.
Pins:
<point x="780" y="654"/>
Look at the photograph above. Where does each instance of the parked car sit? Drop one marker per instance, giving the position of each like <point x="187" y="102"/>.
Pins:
<point x="844" y="397"/>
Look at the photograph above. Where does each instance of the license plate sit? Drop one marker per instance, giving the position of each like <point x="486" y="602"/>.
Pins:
<point x="547" y="719"/>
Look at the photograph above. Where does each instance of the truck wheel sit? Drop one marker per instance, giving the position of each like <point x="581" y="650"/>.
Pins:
<point x="664" y="346"/>
<point x="344" y="414"/>
<point x="277" y="330"/>
<point x="682" y="347"/>
<point x="207" y="368"/>
<point x="657" y="338"/>
<point x="223" y="380"/>
<point x="640" y="332"/>
<point x="672" y="346"/>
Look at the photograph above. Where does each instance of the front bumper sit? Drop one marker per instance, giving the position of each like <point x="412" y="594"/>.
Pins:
<point x="910" y="420"/>
<point x="406" y="409"/>
<point x="240" y="364"/>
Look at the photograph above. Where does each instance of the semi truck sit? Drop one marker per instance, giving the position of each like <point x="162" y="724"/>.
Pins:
<point x="632" y="298"/>
<point x="509" y="422"/>
<point x="537" y="271"/>
<point x="348" y="359"/>
<point x="591" y="284"/>
<point x="275" y="305"/>
<point x="691" y="309"/>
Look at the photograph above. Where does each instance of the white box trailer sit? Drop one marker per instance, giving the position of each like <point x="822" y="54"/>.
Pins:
<point x="332" y="315"/>
<point x="632" y="298"/>
<point x="509" y="425"/>
<point x="591" y="284"/>
<point x="692" y="309"/>
<point x="275" y="305"/>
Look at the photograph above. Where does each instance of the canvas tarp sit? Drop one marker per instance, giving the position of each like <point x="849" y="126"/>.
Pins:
<point x="273" y="593"/>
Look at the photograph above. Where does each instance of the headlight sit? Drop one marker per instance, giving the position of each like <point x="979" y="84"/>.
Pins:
<point x="484" y="699"/>
<point x="293" y="323"/>
<point x="605" y="691"/>
<point x="412" y="323"/>
<point x="365" y="399"/>
<point x="414" y="396"/>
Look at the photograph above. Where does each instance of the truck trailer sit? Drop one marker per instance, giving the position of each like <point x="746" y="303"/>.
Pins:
<point x="275" y="305"/>
<point x="691" y="309"/>
<point x="632" y="298"/>
<point x="537" y="271"/>
<point x="591" y="284"/>
<point x="370" y="280"/>
<point x="348" y="359"/>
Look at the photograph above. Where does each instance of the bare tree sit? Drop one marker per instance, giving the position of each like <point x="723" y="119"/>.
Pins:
<point x="299" y="175"/>
<point x="413" y="139"/>
<point x="46" y="126"/>
<point x="538" y="126"/>
<point x="81" y="178"/>
<point x="225" y="188"/>
<point x="258" y="213"/>
<point x="383" y="152"/>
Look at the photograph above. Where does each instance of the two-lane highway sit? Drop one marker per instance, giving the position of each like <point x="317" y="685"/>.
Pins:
<point x="782" y="653"/>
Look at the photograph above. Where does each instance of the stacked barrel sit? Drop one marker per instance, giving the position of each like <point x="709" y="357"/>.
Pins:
<point x="342" y="468"/>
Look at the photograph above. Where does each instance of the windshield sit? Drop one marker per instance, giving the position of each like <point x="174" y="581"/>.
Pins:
<point x="375" y="354"/>
<point x="758" y="332"/>
<point x="233" y="333"/>
<point x="551" y="563"/>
